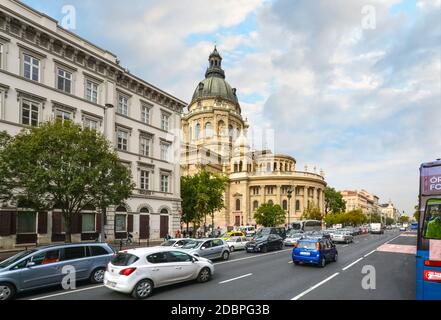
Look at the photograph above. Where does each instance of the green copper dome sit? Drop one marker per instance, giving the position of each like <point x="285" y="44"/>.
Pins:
<point x="214" y="84"/>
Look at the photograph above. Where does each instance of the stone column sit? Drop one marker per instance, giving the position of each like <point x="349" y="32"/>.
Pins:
<point x="305" y="198"/>
<point x="279" y="195"/>
<point x="314" y="200"/>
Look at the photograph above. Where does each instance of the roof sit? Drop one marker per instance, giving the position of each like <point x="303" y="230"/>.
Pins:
<point x="215" y="87"/>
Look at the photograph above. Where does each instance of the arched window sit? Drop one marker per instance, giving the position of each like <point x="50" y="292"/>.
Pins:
<point x="285" y="205"/>
<point x="144" y="210"/>
<point x="237" y="204"/>
<point x="235" y="167"/>
<point x="208" y="130"/>
<point x="164" y="211"/>
<point x="275" y="166"/>
<point x="221" y="128"/>
<point x="121" y="209"/>
<point x="297" y="205"/>
<point x="230" y="131"/>
<point x="255" y="205"/>
<point x="198" y="131"/>
<point x="271" y="202"/>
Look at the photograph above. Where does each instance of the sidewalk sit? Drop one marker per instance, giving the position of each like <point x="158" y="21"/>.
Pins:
<point x="4" y="254"/>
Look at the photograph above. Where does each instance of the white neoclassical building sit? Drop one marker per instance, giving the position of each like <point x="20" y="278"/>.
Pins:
<point x="47" y="72"/>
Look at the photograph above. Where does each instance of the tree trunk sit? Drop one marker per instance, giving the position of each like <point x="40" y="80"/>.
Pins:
<point x="68" y="226"/>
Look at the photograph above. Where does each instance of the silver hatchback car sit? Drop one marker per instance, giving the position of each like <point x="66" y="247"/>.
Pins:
<point x="208" y="248"/>
<point x="45" y="266"/>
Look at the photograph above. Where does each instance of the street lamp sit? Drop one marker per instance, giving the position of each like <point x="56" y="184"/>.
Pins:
<point x="289" y="201"/>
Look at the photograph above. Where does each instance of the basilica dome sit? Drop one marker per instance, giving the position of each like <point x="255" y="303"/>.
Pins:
<point x="214" y="84"/>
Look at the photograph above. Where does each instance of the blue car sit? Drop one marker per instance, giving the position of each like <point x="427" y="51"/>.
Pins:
<point x="315" y="251"/>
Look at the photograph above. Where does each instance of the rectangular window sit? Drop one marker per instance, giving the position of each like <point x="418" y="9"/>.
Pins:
<point x="144" y="146"/>
<point x="88" y="222"/>
<point x="91" y="91"/>
<point x="145" y="114"/>
<point x="63" y="115"/>
<point x="31" y="67"/>
<point x="30" y="113"/>
<point x="120" y="223"/>
<point x="2" y="55"/>
<point x="26" y="222"/>
<point x="123" y="105"/>
<point x="64" y="80"/>
<point x="432" y="220"/>
<point x="165" y="121"/>
<point x="164" y="183"/>
<point x="72" y="253"/>
<point x="90" y="124"/>
<point x="144" y="183"/>
<point x="123" y="139"/>
<point x="165" y="151"/>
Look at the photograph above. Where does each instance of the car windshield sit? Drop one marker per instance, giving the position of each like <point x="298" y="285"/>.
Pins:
<point x="15" y="258"/>
<point x="260" y="237"/>
<point x="294" y="233"/>
<point x="306" y="245"/>
<point x="193" y="244"/>
<point x="168" y="243"/>
<point x="124" y="259"/>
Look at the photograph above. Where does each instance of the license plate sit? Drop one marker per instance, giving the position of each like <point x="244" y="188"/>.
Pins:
<point x="111" y="284"/>
<point x="305" y="253"/>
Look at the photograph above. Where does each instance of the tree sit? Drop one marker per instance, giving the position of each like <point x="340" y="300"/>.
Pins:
<point x="334" y="201"/>
<point x="355" y="217"/>
<point x="389" y="221"/>
<point x="416" y="214"/>
<point x="312" y="213"/>
<point x="202" y="195"/>
<point x="270" y="215"/>
<point x="404" y="219"/>
<point x="61" y="165"/>
<point x="5" y="174"/>
<point x="333" y="218"/>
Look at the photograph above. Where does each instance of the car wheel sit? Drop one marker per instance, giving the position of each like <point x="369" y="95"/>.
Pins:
<point x="204" y="275"/>
<point x="281" y="246"/>
<point x="97" y="275"/>
<point x="335" y="257"/>
<point x="264" y="249"/>
<point x="7" y="291"/>
<point x="225" y="255"/>
<point x="231" y="249"/>
<point x="323" y="262"/>
<point x="143" y="289"/>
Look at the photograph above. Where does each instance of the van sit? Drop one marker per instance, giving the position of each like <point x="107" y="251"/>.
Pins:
<point x="248" y="230"/>
<point x="45" y="266"/>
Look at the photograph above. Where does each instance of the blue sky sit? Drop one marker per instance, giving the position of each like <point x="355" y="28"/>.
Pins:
<point x="360" y="103"/>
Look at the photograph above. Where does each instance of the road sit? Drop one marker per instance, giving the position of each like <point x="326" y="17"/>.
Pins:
<point x="272" y="276"/>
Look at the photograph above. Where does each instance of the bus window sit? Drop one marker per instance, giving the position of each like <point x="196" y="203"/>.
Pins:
<point x="432" y="219"/>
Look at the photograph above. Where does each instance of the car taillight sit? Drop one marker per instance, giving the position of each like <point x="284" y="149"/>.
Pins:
<point x="431" y="263"/>
<point x="431" y="275"/>
<point x="127" y="272"/>
<point x="317" y="246"/>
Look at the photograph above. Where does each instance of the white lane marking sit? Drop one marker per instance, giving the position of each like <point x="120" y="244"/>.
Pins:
<point x="369" y="253"/>
<point x="244" y="276"/>
<point x="290" y="261"/>
<point x="68" y="292"/>
<point x="392" y="239"/>
<point x="346" y="245"/>
<point x="252" y="257"/>
<point x="356" y="261"/>
<point x="315" y="287"/>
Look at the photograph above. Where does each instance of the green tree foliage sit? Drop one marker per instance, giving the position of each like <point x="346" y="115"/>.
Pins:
<point x="416" y="214"/>
<point x="312" y="213"/>
<point x="5" y="174"/>
<point x="202" y="195"/>
<point x="334" y="218"/>
<point x="389" y="221"/>
<point x="404" y="219"/>
<point x="270" y="215"/>
<point x="351" y="218"/>
<point x="334" y="201"/>
<point x="61" y="165"/>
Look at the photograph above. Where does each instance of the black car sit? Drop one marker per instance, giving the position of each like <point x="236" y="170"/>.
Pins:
<point x="280" y="231"/>
<point x="264" y="243"/>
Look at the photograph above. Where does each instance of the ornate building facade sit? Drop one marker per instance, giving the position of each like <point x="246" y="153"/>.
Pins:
<point x="215" y="138"/>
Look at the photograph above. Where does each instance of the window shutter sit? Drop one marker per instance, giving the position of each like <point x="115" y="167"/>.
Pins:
<point x="76" y="223"/>
<point x="5" y="223"/>
<point x="56" y="222"/>
<point x="130" y="223"/>
<point x="13" y="222"/>
<point x="42" y="222"/>
<point x="98" y="222"/>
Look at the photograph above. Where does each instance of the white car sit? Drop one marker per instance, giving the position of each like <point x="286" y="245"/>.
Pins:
<point x="139" y="271"/>
<point x="176" y="243"/>
<point x="237" y="243"/>
<point x="292" y="237"/>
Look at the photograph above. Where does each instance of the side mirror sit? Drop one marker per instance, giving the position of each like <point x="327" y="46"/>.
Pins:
<point x="193" y="259"/>
<point x="30" y="264"/>
<point x="203" y="248"/>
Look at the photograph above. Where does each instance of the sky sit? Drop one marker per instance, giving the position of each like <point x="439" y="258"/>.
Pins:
<point x="350" y="88"/>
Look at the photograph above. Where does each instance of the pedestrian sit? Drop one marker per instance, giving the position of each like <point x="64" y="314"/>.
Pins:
<point x="178" y="233"/>
<point x="167" y="237"/>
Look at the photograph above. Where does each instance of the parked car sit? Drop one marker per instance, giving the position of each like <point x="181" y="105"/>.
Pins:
<point x="264" y="243"/>
<point x="176" y="243"/>
<point x="280" y="231"/>
<point x="342" y="236"/>
<point x="208" y="248"/>
<point x="403" y="228"/>
<point x="237" y="243"/>
<point x="42" y="267"/>
<point x="292" y="236"/>
<point x="230" y="234"/>
<point x="139" y="271"/>
<point x="315" y="251"/>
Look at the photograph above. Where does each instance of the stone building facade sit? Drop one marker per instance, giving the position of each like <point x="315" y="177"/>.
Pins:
<point x="215" y="138"/>
<point x="46" y="73"/>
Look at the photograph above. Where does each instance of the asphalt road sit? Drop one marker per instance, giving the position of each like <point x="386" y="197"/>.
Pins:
<point x="272" y="276"/>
